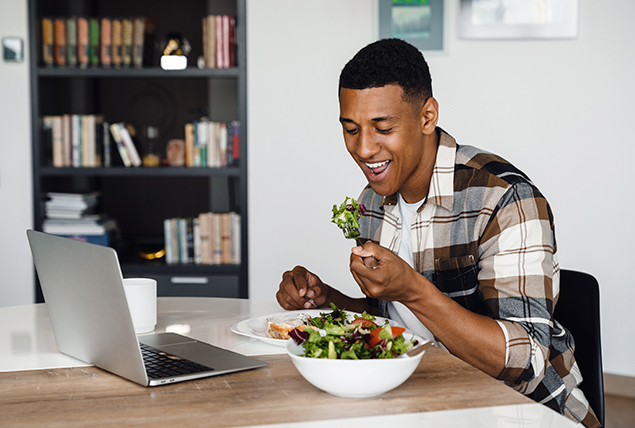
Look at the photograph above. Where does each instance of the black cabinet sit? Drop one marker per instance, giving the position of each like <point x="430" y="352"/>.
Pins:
<point x="140" y="198"/>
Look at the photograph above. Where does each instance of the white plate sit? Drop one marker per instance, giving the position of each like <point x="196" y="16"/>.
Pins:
<point x="256" y="328"/>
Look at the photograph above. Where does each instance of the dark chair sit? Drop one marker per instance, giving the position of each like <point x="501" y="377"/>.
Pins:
<point x="578" y="310"/>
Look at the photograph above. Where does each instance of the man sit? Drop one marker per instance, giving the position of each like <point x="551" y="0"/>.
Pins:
<point x="459" y="245"/>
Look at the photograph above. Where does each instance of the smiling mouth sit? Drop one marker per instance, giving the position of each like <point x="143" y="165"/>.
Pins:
<point x="377" y="167"/>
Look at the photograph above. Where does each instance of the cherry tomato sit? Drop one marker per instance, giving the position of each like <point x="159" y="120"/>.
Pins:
<point x="374" y="335"/>
<point x="364" y="322"/>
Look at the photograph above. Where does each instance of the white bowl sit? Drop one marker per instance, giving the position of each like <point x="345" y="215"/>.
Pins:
<point x="354" y="378"/>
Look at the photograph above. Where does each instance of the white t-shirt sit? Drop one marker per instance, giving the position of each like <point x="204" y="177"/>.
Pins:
<point x="398" y="311"/>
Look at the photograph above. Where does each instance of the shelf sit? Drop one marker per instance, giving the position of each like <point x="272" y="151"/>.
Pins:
<point x="190" y="269"/>
<point x="53" y="72"/>
<point x="139" y="172"/>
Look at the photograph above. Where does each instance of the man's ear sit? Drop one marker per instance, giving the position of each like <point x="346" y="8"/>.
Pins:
<point x="429" y="116"/>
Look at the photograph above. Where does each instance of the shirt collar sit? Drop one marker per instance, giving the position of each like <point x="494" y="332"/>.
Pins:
<point x="441" y="190"/>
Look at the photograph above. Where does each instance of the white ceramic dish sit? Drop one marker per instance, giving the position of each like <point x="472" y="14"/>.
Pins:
<point x="256" y="328"/>
<point x="354" y="378"/>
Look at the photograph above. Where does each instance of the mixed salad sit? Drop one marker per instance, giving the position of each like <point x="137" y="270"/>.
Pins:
<point x="346" y="217"/>
<point x="334" y="335"/>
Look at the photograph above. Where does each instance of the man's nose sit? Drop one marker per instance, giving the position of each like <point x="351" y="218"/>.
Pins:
<point x="367" y="145"/>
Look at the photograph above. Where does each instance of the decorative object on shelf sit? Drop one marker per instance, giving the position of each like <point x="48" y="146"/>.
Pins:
<point x="419" y="22"/>
<point x="175" y="52"/>
<point x="151" y="158"/>
<point x="498" y="19"/>
<point x="175" y="152"/>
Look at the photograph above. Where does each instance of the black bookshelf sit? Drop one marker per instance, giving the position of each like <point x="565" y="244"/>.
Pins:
<point x="138" y="198"/>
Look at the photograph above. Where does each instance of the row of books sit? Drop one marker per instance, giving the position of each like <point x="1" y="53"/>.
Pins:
<point x="95" y="41"/>
<point x="73" y="215"/>
<point x="208" y="239"/>
<point x="80" y="141"/>
<point x="74" y="140"/>
<point x="212" y="144"/>
<point x="219" y="44"/>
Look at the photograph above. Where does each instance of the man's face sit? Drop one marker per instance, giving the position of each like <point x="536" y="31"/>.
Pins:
<point x="384" y="136"/>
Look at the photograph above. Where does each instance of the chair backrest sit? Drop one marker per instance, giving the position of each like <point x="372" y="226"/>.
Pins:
<point x="578" y="310"/>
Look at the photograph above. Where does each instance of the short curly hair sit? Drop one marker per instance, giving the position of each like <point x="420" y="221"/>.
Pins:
<point x="389" y="62"/>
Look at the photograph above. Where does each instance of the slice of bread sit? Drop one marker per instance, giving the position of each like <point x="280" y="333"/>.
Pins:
<point x="279" y="327"/>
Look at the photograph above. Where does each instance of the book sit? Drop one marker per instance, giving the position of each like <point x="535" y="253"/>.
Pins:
<point x="209" y="41"/>
<point x="107" y="160"/>
<point x="82" y="42"/>
<point x="131" y="149"/>
<point x="106" y="42"/>
<point x="93" y="42"/>
<point x="116" y="42"/>
<point x="201" y="141"/>
<point x="189" y="144"/>
<point x="137" y="42"/>
<point x="48" y="48"/>
<point x="76" y="141"/>
<point x="126" y="42"/>
<point x="78" y="227"/>
<point x="121" y="148"/>
<point x="60" y="42"/>
<point x="220" y="62"/>
<point x="209" y="238"/>
<point x="71" y="42"/>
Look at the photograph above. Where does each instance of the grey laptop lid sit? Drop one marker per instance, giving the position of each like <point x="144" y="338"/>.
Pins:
<point x="83" y="289"/>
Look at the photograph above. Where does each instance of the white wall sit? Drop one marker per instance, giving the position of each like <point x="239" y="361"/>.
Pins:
<point x="560" y="110"/>
<point x="16" y="267"/>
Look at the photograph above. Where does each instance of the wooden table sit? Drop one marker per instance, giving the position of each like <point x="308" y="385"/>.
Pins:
<point x="276" y="394"/>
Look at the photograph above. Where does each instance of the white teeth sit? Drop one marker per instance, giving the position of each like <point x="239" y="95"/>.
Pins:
<point x="376" y="164"/>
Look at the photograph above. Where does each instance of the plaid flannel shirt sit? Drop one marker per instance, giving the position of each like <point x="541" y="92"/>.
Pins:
<point x="485" y="238"/>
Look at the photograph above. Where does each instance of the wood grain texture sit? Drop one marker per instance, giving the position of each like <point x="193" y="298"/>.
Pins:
<point x="275" y="394"/>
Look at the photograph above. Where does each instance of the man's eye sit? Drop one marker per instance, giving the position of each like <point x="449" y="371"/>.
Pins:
<point x="384" y="131"/>
<point x="351" y="131"/>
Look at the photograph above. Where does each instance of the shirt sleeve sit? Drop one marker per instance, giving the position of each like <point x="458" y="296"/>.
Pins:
<point x="518" y="276"/>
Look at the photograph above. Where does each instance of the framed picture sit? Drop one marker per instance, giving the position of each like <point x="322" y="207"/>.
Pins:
<point x="518" y="19"/>
<point x="418" y="22"/>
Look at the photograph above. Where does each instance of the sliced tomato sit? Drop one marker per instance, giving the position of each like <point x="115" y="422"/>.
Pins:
<point x="364" y="322"/>
<point x="374" y="335"/>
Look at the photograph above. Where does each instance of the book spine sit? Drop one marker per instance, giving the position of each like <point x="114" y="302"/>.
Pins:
<point x="189" y="144"/>
<point x="167" y="241"/>
<point x="48" y="48"/>
<point x="85" y="141"/>
<point x="137" y="42"/>
<point x="116" y="42"/>
<point x="58" y="156"/>
<point x="116" y="135"/>
<point x="93" y="42"/>
<point x="60" y="42"/>
<point x="210" y="44"/>
<point x="76" y="141"/>
<point x="82" y="42"/>
<point x="219" y="41"/>
<point x="235" y="233"/>
<point x="71" y="42"/>
<point x="126" y="42"/>
<point x="106" y="40"/>
<point x="106" y="142"/>
<point x="133" y="154"/>
<point x="98" y="137"/>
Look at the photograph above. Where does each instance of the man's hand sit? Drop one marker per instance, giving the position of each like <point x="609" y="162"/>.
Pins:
<point x="301" y="289"/>
<point x="382" y="274"/>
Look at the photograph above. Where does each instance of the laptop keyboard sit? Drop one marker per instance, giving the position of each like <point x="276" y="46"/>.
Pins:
<point x="160" y="364"/>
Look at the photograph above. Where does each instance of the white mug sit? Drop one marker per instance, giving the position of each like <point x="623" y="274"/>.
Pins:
<point x="141" y="294"/>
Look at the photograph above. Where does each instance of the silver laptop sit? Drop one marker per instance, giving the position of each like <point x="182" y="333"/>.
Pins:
<point x="83" y="290"/>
